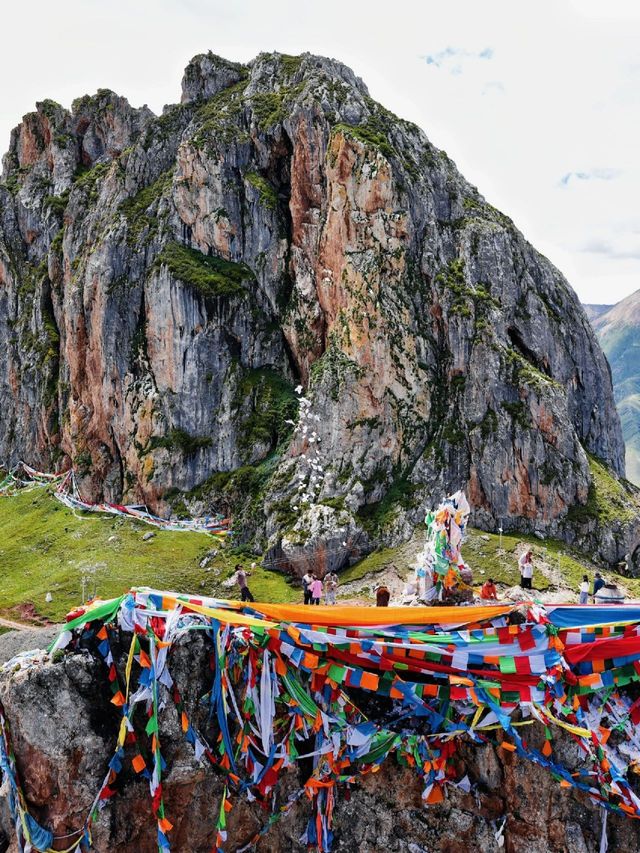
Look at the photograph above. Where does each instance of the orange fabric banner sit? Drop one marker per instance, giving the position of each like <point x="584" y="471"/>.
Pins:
<point x="342" y="616"/>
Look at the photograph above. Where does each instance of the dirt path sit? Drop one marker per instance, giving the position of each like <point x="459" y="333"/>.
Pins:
<point x="14" y="626"/>
<point x="25" y="638"/>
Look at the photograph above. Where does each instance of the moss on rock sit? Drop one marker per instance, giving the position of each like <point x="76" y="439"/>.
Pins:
<point x="267" y="192"/>
<point x="136" y="208"/>
<point x="209" y="275"/>
<point x="179" y="439"/>
<point x="272" y="402"/>
<point x="610" y="498"/>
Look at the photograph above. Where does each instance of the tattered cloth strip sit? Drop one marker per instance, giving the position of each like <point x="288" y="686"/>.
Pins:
<point x="290" y="683"/>
<point x="67" y="492"/>
<point x="23" y="477"/>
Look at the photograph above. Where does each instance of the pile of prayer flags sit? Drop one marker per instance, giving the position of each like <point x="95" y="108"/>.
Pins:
<point x="291" y="682"/>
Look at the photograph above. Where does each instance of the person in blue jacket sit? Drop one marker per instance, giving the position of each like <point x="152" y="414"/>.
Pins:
<point x="598" y="582"/>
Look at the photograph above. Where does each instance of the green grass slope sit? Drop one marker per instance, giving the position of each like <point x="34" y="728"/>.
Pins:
<point x="44" y="547"/>
<point x="556" y="567"/>
<point x="558" y="570"/>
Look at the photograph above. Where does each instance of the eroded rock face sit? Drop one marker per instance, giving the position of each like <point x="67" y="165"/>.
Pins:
<point x="166" y="281"/>
<point x="208" y="74"/>
<point x="64" y="731"/>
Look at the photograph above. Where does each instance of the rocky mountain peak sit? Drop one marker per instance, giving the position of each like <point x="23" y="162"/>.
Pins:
<point x="207" y="75"/>
<point x="40" y="142"/>
<point x="273" y="71"/>
<point x="53" y="143"/>
<point x="166" y="282"/>
<point x="106" y="124"/>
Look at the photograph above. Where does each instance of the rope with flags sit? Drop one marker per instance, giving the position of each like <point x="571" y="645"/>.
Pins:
<point x="346" y="688"/>
<point x="68" y="493"/>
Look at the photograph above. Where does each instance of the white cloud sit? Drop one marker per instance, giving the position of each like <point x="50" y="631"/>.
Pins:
<point x="590" y="175"/>
<point x="454" y="59"/>
<point x="622" y="248"/>
<point x="518" y="94"/>
<point x="493" y="87"/>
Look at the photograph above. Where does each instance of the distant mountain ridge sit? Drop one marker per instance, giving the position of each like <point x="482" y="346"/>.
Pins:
<point x="595" y="311"/>
<point x="618" y="327"/>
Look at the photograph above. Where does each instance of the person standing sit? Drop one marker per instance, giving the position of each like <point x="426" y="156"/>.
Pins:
<point x="382" y="596"/>
<point x="330" y="587"/>
<point x="584" y="590"/>
<point x="316" y="590"/>
<point x="241" y="580"/>
<point x="598" y="582"/>
<point x="526" y="570"/>
<point x="307" y="580"/>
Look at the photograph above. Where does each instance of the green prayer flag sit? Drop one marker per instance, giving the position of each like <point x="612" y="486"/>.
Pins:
<point x="507" y="664"/>
<point x="337" y="673"/>
<point x="105" y="612"/>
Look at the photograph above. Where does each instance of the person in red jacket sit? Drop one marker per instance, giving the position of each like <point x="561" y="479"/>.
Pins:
<point x="489" y="591"/>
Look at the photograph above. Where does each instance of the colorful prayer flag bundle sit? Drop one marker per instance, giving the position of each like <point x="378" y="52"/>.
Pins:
<point x="445" y="532"/>
<point x="345" y="688"/>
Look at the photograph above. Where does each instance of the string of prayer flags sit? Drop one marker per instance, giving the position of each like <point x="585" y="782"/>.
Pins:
<point x="343" y="690"/>
<point x="68" y="493"/>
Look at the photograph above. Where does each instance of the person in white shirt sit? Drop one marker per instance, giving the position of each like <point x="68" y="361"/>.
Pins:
<point x="584" y="590"/>
<point x="241" y="580"/>
<point x="307" y="580"/>
<point x="526" y="570"/>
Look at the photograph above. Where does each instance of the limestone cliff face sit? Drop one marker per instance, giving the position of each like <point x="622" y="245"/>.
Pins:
<point x="166" y="281"/>
<point x="64" y="729"/>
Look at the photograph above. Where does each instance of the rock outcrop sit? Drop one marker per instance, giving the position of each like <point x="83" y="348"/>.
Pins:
<point x="64" y="730"/>
<point x="165" y="283"/>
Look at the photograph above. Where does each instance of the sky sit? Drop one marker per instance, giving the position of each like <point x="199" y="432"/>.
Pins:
<point x="538" y="103"/>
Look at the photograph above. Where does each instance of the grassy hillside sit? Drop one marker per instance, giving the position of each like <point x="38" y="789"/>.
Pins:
<point x="47" y="548"/>
<point x="556" y="567"/>
<point x="44" y="547"/>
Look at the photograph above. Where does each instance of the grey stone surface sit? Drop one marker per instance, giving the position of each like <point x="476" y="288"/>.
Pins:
<point x="14" y="642"/>
<point x="64" y="730"/>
